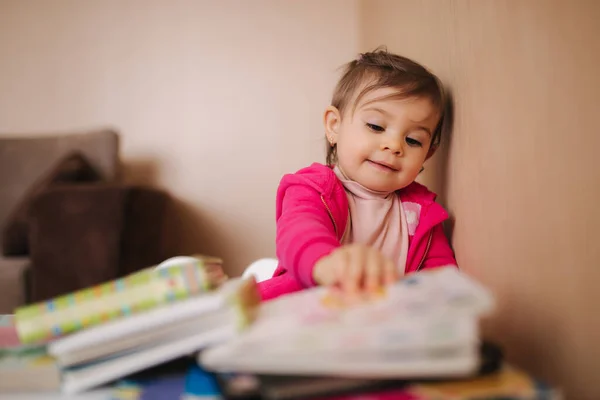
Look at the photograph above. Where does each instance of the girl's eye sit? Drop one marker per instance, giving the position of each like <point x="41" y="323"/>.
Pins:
<point x="375" y="128"/>
<point x="413" y="142"/>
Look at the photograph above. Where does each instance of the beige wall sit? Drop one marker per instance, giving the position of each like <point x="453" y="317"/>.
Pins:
<point x="215" y="104"/>
<point x="215" y="99"/>
<point x="523" y="179"/>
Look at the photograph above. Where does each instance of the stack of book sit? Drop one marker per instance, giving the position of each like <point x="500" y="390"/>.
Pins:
<point x="417" y="339"/>
<point x="24" y="366"/>
<point x="97" y="335"/>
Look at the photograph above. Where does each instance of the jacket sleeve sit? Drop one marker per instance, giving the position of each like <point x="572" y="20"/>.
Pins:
<point x="305" y="232"/>
<point x="440" y="254"/>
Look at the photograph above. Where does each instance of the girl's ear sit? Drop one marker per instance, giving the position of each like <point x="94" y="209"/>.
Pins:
<point x="332" y="121"/>
<point x="431" y="152"/>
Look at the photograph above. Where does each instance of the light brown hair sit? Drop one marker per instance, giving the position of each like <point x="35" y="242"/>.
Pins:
<point x="381" y="69"/>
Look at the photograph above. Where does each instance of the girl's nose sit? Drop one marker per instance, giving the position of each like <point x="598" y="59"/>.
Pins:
<point x="393" y="145"/>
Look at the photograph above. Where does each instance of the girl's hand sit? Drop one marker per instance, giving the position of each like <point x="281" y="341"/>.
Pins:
<point x="354" y="268"/>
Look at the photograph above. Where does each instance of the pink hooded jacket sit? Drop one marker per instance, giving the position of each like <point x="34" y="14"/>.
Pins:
<point x="311" y="215"/>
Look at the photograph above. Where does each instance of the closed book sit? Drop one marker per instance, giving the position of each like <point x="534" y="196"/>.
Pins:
<point x="130" y="295"/>
<point x="200" y="312"/>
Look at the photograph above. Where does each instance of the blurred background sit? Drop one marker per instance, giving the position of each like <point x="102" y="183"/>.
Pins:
<point x="215" y="100"/>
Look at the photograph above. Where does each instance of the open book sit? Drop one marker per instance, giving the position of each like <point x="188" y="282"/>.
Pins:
<point x="425" y="325"/>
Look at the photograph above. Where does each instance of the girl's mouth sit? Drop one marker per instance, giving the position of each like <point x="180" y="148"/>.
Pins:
<point x="381" y="166"/>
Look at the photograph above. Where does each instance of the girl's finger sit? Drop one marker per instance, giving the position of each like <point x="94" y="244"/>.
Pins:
<point x="374" y="272"/>
<point x="354" y="270"/>
<point x="338" y="268"/>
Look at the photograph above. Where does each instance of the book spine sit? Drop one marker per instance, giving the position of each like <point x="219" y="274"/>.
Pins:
<point x="132" y="294"/>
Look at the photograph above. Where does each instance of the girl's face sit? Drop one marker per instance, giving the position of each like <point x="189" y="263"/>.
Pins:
<point x="384" y="143"/>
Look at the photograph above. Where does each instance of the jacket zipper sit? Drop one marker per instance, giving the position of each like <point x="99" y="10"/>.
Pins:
<point x="330" y="216"/>
<point x="426" y="251"/>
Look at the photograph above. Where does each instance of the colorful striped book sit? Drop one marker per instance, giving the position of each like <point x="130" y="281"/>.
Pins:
<point x="234" y="304"/>
<point x="132" y="294"/>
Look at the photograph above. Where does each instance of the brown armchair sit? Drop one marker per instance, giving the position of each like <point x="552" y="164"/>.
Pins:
<point x="65" y="220"/>
<point x="100" y="232"/>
